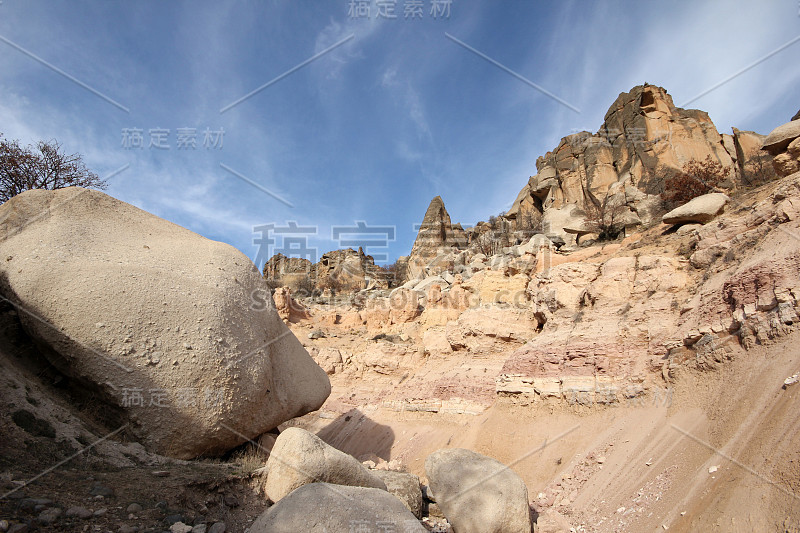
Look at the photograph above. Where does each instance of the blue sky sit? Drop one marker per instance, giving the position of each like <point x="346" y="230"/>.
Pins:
<point x="372" y="129"/>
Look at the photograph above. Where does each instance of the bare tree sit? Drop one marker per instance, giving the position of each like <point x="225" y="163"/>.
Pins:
<point x="697" y="178"/>
<point x="759" y="170"/>
<point x="605" y="219"/>
<point x="488" y="243"/>
<point x="43" y="166"/>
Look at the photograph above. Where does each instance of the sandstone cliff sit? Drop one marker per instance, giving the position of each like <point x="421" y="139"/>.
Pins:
<point x="643" y="139"/>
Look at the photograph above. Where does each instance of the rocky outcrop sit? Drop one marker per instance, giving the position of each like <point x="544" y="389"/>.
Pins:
<point x="783" y="143"/>
<point x="699" y="210"/>
<point x="154" y="319"/>
<point x="299" y="458"/>
<point x="292" y="272"/>
<point x="325" y="508"/>
<point x="338" y="271"/>
<point x="643" y="139"/>
<point x="289" y="309"/>
<point x="478" y="493"/>
<point x="437" y="241"/>
<point x="348" y="271"/>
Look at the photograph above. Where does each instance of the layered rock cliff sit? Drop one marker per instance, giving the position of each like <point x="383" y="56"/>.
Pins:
<point x="644" y="139"/>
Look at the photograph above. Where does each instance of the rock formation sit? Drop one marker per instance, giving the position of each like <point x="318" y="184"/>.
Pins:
<point x="783" y="143"/>
<point x="325" y="508"/>
<point x="437" y="242"/>
<point x="342" y="271"/>
<point x="154" y="319"/>
<point x="292" y="272"/>
<point x="299" y="457"/>
<point x="699" y="210"/>
<point x="478" y="493"/>
<point x="643" y="139"/>
<point x="348" y="271"/>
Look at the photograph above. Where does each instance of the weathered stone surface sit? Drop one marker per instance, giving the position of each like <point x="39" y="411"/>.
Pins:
<point x="779" y="138"/>
<point x="698" y="210"/>
<point x="478" y="493"/>
<point x="292" y="272"/>
<point x="347" y="271"/>
<point x="437" y="238"/>
<point x="405" y="487"/>
<point x="325" y="508"/>
<point x="299" y="458"/>
<point x="289" y="309"/>
<point x="643" y="135"/>
<point x="130" y="303"/>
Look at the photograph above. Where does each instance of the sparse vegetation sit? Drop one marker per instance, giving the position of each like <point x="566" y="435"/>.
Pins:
<point x="605" y="219"/>
<point x="696" y="179"/>
<point x="393" y="273"/>
<point x="759" y="170"/>
<point x="43" y="166"/>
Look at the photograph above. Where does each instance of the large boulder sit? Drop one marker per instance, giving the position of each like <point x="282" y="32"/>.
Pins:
<point x="175" y="332"/>
<point x="700" y="210"/>
<point x="405" y="487"/>
<point x="327" y="508"/>
<point x="478" y="494"/>
<point x="299" y="458"/>
<point x="779" y="138"/>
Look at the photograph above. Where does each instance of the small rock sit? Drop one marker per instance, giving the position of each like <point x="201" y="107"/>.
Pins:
<point x="4" y="525"/>
<point x="48" y="516"/>
<point x="101" y="490"/>
<point x="791" y="380"/>
<point x="78" y="512"/>
<point x="173" y="519"/>
<point x="180" y="527"/>
<point x="101" y="512"/>
<point x="160" y="473"/>
<point x="713" y="469"/>
<point x="200" y="528"/>
<point x="18" y="528"/>
<point x="316" y="334"/>
<point x="231" y="500"/>
<point x="601" y="459"/>
<point x="134" y="508"/>
<point x="128" y="529"/>
<point x="218" y="527"/>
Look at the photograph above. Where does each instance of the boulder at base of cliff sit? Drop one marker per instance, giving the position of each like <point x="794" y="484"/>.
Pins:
<point x="326" y="508"/>
<point x="404" y="486"/>
<point x="698" y="210"/>
<point x="779" y="138"/>
<point x="154" y="319"/>
<point x="299" y="458"/>
<point x="478" y="493"/>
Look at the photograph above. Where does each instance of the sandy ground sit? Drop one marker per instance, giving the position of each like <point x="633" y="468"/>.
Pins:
<point x="720" y="452"/>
